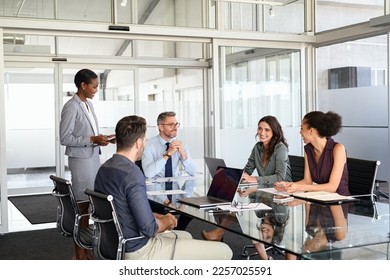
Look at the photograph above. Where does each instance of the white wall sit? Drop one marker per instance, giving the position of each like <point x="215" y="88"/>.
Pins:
<point x="365" y="126"/>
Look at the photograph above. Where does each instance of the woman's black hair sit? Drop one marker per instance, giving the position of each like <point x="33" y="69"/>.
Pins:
<point x="327" y="124"/>
<point x="84" y="75"/>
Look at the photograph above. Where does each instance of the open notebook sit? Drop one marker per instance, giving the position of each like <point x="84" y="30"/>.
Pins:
<point x="323" y="197"/>
<point x="222" y="189"/>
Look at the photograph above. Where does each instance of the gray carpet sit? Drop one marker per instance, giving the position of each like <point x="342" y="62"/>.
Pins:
<point x="46" y="244"/>
<point x="49" y="244"/>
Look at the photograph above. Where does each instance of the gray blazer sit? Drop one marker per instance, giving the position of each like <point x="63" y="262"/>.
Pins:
<point x="76" y="128"/>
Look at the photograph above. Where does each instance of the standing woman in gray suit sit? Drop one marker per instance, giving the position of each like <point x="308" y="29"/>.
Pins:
<point x="79" y="132"/>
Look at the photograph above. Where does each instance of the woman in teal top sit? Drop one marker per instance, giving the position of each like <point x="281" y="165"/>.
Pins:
<point x="269" y="157"/>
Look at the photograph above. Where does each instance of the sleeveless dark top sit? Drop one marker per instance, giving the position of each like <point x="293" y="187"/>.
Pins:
<point x="320" y="173"/>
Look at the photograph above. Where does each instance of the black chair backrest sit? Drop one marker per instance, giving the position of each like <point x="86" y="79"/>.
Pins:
<point x="362" y="175"/>
<point x="107" y="235"/>
<point x="67" y="205"/>
<point x="297" y="164"/>
<point x="139" y="164"/>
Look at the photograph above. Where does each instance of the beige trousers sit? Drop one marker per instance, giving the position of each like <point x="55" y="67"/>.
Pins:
<point x="179" y="245"/>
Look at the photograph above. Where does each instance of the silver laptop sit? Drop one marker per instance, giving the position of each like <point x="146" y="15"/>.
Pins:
<point x="213" y="163"/>
<point x="222" y="189"/>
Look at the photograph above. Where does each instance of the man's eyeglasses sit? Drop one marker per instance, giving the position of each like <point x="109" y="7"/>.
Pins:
<point x="172" y="125"/>
<point x="240" y="205"/>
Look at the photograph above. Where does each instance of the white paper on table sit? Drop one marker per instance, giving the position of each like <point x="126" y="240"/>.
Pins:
<point x="170" y="179"/>
<point x="274" y="191"/>
<point x="163" y="192"/>
<point x="246" y="207"/>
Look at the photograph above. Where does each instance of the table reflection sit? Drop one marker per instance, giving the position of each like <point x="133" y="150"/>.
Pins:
<point x="325" y="225"/>
<point x="266" y="225"/>
<point x="299" y="228"/>
<point x="187" y="186"/>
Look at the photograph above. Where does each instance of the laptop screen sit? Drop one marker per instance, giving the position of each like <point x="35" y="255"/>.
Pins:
<point x="225" y="182"/>
<point x="213" y="164"/>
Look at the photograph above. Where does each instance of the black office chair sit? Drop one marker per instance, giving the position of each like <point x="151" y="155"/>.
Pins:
<point x="248" y="252"/>
<point x="362" y="184"/>
<point x="378" y="192"/>
<point x="68" y="214"/>
<point x="139" y="164"/>
<point x="297" y="164"/>
<point x="108" y="240"/>
<point x="362" y="176"/>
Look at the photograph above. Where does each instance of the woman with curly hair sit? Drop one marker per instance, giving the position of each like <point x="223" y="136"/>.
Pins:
<point x="325" y="159"/>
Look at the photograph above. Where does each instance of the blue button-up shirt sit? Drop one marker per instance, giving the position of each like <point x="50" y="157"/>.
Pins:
<point x="153" y="163"/>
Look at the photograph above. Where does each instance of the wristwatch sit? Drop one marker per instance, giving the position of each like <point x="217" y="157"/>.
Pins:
<point x="166" y="154"/>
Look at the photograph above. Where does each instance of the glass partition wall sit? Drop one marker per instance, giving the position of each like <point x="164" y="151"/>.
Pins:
<point x="255" y="82"/>
<point x="145" y="84"/>
<point x="352" y="80"/>
<point x="221" y="65"/>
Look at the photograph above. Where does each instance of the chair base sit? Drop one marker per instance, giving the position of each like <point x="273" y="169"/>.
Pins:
<point x="377" y="192"/>
<point x="246" y="252"/>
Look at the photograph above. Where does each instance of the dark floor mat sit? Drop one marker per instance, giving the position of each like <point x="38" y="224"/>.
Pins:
<point x="38" y="209"/>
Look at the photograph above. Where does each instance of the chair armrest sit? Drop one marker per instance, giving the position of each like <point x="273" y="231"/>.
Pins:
<point x="83" y="201"/>
<point x="54" y="193"/>
<point x="81" y="230"/>
<point x="121" y="246"/>
<point x="79" y="216"/>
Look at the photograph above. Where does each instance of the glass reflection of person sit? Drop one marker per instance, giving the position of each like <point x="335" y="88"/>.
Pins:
<point x="324" y="226"/>
<point x="271" y="227"/>
<point x="269" y="157"/>
<point x="271" y="223"/>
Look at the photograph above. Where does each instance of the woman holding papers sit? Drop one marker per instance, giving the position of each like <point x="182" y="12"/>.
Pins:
<point x="79" y="133"/>
<point x="325" y="159"/>
<point x="269" y="157"/>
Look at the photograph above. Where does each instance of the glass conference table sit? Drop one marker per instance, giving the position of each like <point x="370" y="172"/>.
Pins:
<point x="358" y="229"/>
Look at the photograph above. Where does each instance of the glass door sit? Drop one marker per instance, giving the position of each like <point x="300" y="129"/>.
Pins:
<point x="33" y="99"/>
<point x="29" y="133"/>
<point x="29" y="95"/>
